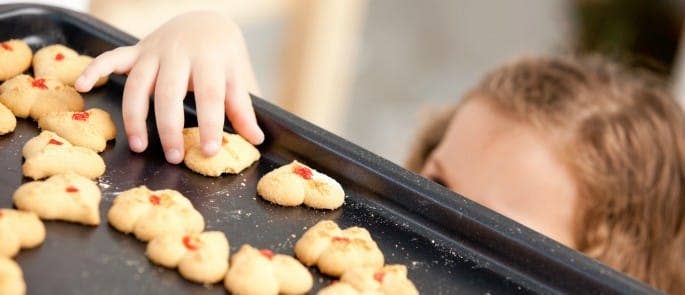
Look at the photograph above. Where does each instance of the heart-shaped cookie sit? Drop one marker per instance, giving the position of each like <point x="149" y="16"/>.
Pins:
<point x="62" y="63"/>
<point x="26" y="96"/>
<point x="19" y="229"/>
<point x="295" y="184"/>
<point x="15" y="58"/>
<point x="91" y="128"/>
<point x="7" y="120"/>
<point x="235" y="154"/>
<point x="388" y="280"/>
<point x="11" y="278"/>
<point x="49" y="154"/>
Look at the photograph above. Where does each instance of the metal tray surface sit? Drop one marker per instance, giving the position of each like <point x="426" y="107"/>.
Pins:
<point x="450" y="244"/>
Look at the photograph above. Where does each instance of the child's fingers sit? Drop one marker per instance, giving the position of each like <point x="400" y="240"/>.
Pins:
<point x="240" y="112"/>
<point x="209" y="83"/>
<point x="119" y="60"/>
<point x="170" y="90"/>
<point x="136" y="101"/>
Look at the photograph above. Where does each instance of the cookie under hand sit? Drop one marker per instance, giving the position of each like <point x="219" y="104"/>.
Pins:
<point x="35" y="97"/>
<point x="234" y="156"/>
<point x="295" y="184"/>
<point x="387" y="280"/>
<point x="68" y="197"/>
<point x="261" y="272"/>
<point x="335" y="251"/>
<point x="15" y="58"/>
<point x="19" y="229"/>
<point x="90" y="129"/>
<point x="201" y="258"/>
<point x="62" y="63"/>
<point x="11" y="278"/>
<point x="148" y="214"/>
<point x="49" y="154"/>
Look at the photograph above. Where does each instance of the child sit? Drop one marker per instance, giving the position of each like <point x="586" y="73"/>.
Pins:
<point x="578" y="149"/>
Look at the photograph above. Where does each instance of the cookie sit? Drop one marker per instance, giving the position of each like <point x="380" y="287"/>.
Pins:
<point x="148" y="214"/>
<point x="49" y="154"/>
<point x="90" y="129"/>
<point x="15" y="58"/>
<point x="29" y="97"/>
<point x="295" y="184"/>
<point x="7" y="120"/>
<point x="68" y="197"/>
<point x="334" y="250"/>
<point x="62" y="63"/>
<point x="235" y="154"/>
<point x="263" y="272"/>
<point x="19" y="229"/>
<point x="387" y="280"/>
<point x="201" y="258"/>
<point x="11" y="278"/>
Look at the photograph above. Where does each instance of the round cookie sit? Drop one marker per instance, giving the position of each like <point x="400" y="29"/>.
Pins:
<point x="90" y="129"/>
<point x="15" y="58"/>
<point x="19" y="230"/>
<point x="7" y="120"/>
<point x="388" y="280"/>
<point x="69" y="197"/>
<point x="201" y="258"/>
<point x="235" y="154"/>
<point x="261" y="272"/>
<point x="148" y="214"/>
<point x="29" y="97"/>
<point x="335" y="251"/>
<point x="295" y="184"/>
<point x="62" y="63"/>
<point x="11" y="278"/>
<point x="49" y="154"/>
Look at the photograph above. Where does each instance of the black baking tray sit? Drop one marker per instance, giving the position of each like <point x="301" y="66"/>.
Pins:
<point x="450" y="244"/>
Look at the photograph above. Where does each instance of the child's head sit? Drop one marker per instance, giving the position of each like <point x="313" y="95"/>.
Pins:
<point x="580" y="149"/>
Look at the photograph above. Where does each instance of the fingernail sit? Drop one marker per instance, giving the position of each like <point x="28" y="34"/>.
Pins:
<point x="210" y="148"/>
<point x="174" y="156"/>
<point x="260" y="137"/>
<point x="136" y="144"/>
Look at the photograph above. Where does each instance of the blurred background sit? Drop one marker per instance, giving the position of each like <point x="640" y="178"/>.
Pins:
<point x="370" y="70"/>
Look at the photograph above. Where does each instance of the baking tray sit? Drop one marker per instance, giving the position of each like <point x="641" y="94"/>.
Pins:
<point x="450" y="244"/>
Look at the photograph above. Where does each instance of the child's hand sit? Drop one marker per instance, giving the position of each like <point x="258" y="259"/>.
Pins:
<point x="198" y="51"/>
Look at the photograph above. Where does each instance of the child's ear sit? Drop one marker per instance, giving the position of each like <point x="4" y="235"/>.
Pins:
<point x="433" y="122"/>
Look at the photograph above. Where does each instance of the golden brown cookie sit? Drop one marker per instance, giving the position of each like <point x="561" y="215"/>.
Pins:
<point x="261" y="272"/>
<point x="19" y="230"/>
<point x="90" y="129"/>
<point x="148" y="214"/>
<point x="201" y="258"/>
<point x="334" y="251"/>
<point x="49" y="154"/>
<point x="235" y="154"/>
<point x="69" y="197"/>
<point x="387" y="280"/>
<point x="62" y="63"/>
<point x="295" y="184"/>
<point x="15" y="58"/>
<point x="29" y="97"/>
<point x="11" y="278"/>
<point x="7" y="120"/>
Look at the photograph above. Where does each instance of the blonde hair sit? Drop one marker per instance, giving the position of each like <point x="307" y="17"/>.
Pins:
<point x="622" y="135"/>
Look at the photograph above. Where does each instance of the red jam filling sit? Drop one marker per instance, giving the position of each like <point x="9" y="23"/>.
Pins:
<point x="54" y="141"/>
<point x="303" y="172"/>
<point x="72" y="189"/>
<point x="80" y="116"/>
<point x="379" y="276"/>
<point x="341" y="239"/>
<point x="188" y="242"/>
<point x="155" y="200"/>
<point x="1" y="213"/>
<point x="39" y="83"/>
<point x="59" y="56"/>
<point x="267" y="253"/>
<point x="6" y="46"/>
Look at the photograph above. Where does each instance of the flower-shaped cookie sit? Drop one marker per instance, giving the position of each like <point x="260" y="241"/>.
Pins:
<point x="235" y="154"/>
<point x="11" y="278"/>
<point x="69" y="197"/>
<point x="19" y="229"/>
<point x="334" y="250"/>
<point x="387" y="280"/>
<point x="49" y="154"/>
<point x="91" y="129"/>
<point x="201" y="258"/>
<point x="295" y="184"/>
<point x="7" y="120"/>
<point x="15" y="58"/>
<point x="29" y="97"/>
<point x="148" y="214"/>
<point x="261" y="272"/>
<point x="62" y="63"/>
